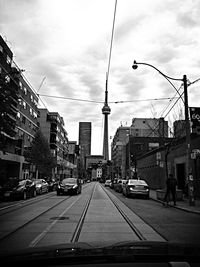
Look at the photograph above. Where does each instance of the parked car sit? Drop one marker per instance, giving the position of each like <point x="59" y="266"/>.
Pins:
<point x="52" y="184"/>
<point x="112" y="184"/>
<point x="69" y="186"/>
<point x="107" y="183"/>
<point x="118" y="185"/>
<point x="41" y="186"/>
<point x="16" y="189"/>
<point x="135" y="187"/>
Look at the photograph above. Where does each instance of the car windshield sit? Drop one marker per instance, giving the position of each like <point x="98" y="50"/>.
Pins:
<point x="69" y="181"/>
<point x="138" y="182"/>
<point x="38" y="181"/>
<point x="22" y="183"/>
<point x="99" y="127"/>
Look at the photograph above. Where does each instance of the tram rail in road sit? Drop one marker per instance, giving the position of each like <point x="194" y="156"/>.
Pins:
<point x="94" y="215"/>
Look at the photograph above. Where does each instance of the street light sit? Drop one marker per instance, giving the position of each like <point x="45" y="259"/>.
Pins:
<point x="187" y="122"/>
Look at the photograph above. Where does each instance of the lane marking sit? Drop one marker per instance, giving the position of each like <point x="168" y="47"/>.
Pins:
<point x="43" y="233"/>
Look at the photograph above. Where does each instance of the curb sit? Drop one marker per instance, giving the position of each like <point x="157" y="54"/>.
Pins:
<point x="176" y="207"/>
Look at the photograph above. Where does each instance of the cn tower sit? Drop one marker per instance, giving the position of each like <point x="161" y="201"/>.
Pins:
<point x="106" y="111"/>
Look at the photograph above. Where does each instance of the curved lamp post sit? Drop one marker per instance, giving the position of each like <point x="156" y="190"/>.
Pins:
<point x="187" y="122"/>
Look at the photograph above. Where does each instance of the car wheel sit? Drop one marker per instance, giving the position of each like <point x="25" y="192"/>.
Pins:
<point x="24" y="195"/>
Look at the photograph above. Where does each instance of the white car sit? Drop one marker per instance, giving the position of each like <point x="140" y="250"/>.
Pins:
<point x="134" y="187"/>
<point x="108" y="183"/>
<point x="41" y="186"/>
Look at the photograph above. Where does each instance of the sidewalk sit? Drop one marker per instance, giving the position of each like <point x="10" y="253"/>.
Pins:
<point x="182" y="204"/>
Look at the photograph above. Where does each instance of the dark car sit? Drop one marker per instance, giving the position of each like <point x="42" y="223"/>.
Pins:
<point x="134" y="187"/>
<point x="118" y="185"/>
<point x="52" y="184"/>
<point x="15" y="189"/>
<point x="69" y="186"/>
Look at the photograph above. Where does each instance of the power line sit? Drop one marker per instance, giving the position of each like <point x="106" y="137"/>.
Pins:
<point x="171" y="99"/>
<point x="140" y="100"/>
<point x="73" y="99"/>
<point x="111" y="102"/>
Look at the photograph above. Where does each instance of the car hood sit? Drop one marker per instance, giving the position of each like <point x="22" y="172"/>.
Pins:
<point x="103" y="249"/>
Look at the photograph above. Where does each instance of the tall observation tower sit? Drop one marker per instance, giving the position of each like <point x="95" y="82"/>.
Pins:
<point x="106" y="111"/>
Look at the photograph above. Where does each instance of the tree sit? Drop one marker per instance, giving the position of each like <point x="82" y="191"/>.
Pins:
<point x="40" y="155"/>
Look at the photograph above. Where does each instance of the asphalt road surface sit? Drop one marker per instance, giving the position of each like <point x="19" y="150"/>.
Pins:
<point x="97" y="214"/>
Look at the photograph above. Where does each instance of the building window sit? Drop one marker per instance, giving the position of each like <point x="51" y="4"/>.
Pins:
<point x="18" y="115"/>
<point x="23" y="119"/>
<point x="24" y="105"/>
<point x="25" y="91"/>
<point x="20" y="85"/>
<point x="7" y="79"/>
<point x="34" y="114"/>
<point x="20" y="101"/>
<point x="8" y="60"/>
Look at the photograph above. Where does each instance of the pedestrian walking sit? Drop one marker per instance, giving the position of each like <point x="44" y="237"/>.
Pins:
<point x="171" y="183"/>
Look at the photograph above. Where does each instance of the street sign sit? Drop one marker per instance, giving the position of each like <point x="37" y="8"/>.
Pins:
<point x="195" y="119"/>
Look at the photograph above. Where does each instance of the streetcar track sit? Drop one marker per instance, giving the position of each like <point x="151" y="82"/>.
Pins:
<point x="79" y="226"/>
<point x="30" y="221"/>
<point x="26" y="203"/>
<point x="77" y="231"/>
<point x="36" y="217"/>
<point x="129" y="222"/>
<point x="141" y="219"/>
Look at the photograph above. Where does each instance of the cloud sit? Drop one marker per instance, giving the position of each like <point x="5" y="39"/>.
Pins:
<point x="91" y="82"/>
<point x="128" y="26"/>
<point x="163" y="55"/>
<point x="189" y="19"/>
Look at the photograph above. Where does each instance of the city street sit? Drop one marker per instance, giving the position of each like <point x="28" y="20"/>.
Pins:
<point x="98" y="214"/>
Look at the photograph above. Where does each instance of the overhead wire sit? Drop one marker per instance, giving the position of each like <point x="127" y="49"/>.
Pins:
<point x="110" y="102"/>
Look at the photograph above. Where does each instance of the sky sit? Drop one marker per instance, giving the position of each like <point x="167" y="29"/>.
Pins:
<point x="63" y="46"/>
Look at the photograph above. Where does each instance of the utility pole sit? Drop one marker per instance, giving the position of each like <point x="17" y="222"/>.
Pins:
<point x="189" y="175"/>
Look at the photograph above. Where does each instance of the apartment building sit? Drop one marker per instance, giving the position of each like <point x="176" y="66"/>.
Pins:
<point x="149" y="127"/>
<point x="22" y="113"/>
<point x="52" y="127"/>
<point x="118" y="151"/>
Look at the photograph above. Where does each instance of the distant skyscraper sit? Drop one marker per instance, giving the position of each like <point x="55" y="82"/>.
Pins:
<point x="85" y="130"/>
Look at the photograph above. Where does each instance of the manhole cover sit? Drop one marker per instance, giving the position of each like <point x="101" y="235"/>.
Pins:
<point x="60" y="218"/>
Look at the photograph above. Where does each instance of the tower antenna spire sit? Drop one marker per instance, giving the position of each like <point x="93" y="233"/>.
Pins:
<point x="106" y="109"/>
